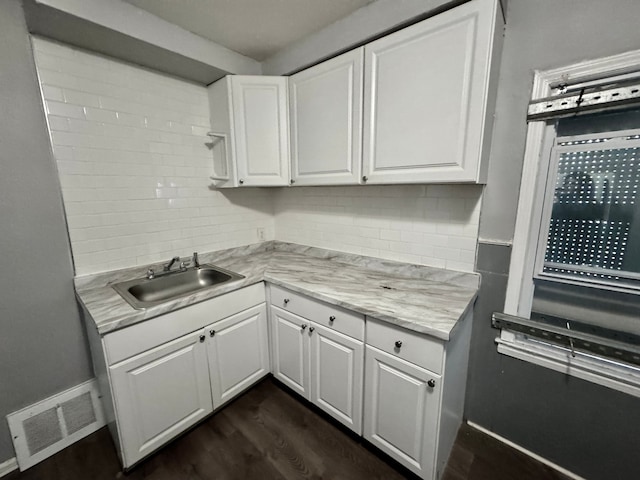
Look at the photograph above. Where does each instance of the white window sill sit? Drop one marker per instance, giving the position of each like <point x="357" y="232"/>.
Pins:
<point x="599" y="370"/>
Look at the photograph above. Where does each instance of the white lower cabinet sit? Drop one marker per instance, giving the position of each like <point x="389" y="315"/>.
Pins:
<point x="238" y="353"/>
<point x="317" y="361"/>
<point x="402" y="390"/>
<point x="401" y="409"/>
<point x="290" y="350"/>
<point x="160" y="393"/>
<point x="414" y="394"/>
<point x="336" y="375"/>
<point x="160" y="377"/>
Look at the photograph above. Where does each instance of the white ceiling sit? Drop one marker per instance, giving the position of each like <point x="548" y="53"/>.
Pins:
<point x="255" y="28"/>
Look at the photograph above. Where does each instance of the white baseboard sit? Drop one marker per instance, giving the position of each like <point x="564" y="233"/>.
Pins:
<point x="529" y="453"/>
<point x="9" y="466"/>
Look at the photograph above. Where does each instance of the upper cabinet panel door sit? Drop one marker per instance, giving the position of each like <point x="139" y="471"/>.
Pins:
<point x="427" y="93"/>
<point x="261" y="130"/>
<point x="325" y="104"/>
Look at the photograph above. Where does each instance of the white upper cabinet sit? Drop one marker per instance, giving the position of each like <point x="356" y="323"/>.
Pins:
<point x="249" y="131"/>
<point x="429" y="98"/>
<point x="325" y="103"/>
<point x="415" y="106"/>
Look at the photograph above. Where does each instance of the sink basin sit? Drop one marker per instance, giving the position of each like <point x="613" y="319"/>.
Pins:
<point x="143" y="292"/>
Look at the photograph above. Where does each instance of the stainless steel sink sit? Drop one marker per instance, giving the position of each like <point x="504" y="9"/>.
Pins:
<point x="143" y="292"/>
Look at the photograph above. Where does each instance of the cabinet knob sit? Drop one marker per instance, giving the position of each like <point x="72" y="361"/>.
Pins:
<point x="431" y="383"/>
<point x="332" y="318"/>
<point x="398" y="343"/>
<point x="212" y="333"/>
<point x="241" y="181"/>
<point x="311" y="329"/>
<point x="202" y="338"/>
<point x="286" y="300"/>
<point x="365" y="178"/>
<point x="303" y="326"/>
<point x="292" y="181"/>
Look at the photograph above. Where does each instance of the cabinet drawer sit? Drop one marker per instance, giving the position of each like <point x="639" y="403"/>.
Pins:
<point x="419" y="349"/>
<point x="330" y="316"/>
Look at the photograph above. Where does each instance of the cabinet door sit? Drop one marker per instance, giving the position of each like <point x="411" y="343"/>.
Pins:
<point x="160" y="393"/>
<point x="238" y="353"/>
<point x="426" y="91"/>
<point x="325" y="104"/>
<point x="290" y="350"/>
<point x="261" y="130"/>
<point x="401" y="410"/>
<point x="336" y="375"/>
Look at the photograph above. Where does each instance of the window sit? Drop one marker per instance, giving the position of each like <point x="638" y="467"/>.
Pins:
<point x="574" y="279"/>
<point x="591" y="222"/>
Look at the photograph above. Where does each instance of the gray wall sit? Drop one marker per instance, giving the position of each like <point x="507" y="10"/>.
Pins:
<point x="588" y="429"/>
<point x="42" y="342"/>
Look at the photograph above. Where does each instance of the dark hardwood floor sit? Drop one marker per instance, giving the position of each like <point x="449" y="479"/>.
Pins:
<point x="269" y="434"/>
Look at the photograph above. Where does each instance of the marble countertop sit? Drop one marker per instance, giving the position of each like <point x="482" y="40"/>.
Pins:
<point x="423" y="299"/>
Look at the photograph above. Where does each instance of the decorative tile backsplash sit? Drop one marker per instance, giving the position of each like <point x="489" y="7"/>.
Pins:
<point x="435" y="225"/>
<point x="130" y="146"/>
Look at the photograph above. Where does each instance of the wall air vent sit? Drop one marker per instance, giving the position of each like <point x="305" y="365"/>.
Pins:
<point x="43" y="429"/>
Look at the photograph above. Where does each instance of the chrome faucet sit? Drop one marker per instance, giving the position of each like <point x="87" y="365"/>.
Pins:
<point x="168" y="266"/>
<point x="166" y="269"/>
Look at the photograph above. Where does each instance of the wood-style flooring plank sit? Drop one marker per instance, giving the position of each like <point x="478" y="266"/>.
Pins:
<point x="269" y="433"/>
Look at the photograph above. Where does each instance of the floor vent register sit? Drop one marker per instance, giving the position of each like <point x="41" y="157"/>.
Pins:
<point x="43" y="429"/>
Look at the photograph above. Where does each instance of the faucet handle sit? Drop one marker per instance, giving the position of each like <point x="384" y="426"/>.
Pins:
<point x="196" y="263"/>
<point x="168" y="266"/>
<point x="150" y="273"/>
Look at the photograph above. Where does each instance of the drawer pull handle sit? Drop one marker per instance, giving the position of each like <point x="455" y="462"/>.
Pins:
<point x="202" y="338"/>
<point x="286" y="300"/>
<point x="398" y="343"/>
<point x="332" y="318"/>
<point x="311" y="329"/>
<point x="431" y="383"/>
<point x="212" y="333"/>
<point x="303" y="326"/>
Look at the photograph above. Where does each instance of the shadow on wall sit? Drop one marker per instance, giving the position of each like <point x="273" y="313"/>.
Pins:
<point x="452" y="203"/>
<point x="256" y="199"/>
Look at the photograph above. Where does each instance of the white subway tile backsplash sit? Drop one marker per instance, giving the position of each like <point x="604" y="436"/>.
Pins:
<point x="81" y="98"/>
<point x="52" y="93"/>
<point x="64" y="110"/>
<point x="133" y="164"/>
<point x="435" y="225"/>
<point x="59" y="124"/>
